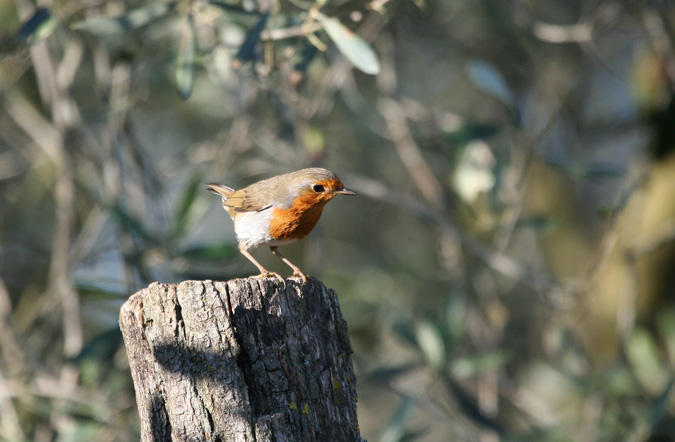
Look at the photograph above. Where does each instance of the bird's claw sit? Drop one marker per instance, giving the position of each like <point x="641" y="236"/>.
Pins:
<point x="300" y="275"/>
<point x="273" y="275"/>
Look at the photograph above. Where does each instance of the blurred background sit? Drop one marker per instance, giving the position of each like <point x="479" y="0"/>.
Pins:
<point x="507" y="271"/>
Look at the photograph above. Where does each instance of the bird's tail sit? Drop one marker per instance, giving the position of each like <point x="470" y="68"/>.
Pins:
<point x="219" y="189"/>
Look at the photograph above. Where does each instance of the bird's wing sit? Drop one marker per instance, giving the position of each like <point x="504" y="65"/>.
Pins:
<point x="246" y="201"/>
<point x="219" y="189"/>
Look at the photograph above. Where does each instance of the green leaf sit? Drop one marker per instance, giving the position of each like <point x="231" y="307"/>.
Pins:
<point x="91" y="291"/>
<point x="102" y="347"/>
<point x="470" y="132"/>
<point x="412" y="435"/>
<point x="186" y="205"/>
<point x="305" y="56"/>
<point x="619" y="382"/>
<point x="134" y="19"/>
<point x="395" y="430"/>
<point x="84" y="429"/>
<point x="665" y="324"/>
<point x="455" y="314"/>
<point x="643" y="355"/>
<point x="662" y="403"/>
<point x="405" y="333"/>
<point x="39" y="26"/>
<point x="430" y="340"/>
<point x="185" y="62"/>
<point x="486" y="78"/>
<point x="587" y="171"/>
<point x="351" y="45"/>
<point x="539" y="224"/>
<point x="130" y="224"/>
<point x="387" y="375"/>
<point x="247" y="49"/>
<point x="471" y="366"/>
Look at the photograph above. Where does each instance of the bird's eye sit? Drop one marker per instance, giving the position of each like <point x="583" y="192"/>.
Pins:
<point x="317" y="188"/>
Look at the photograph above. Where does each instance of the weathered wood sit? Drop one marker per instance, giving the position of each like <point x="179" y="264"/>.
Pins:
<point x="242" y="360"/>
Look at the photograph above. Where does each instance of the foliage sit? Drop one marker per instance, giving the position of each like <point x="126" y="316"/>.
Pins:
<point x="505" y="272"/>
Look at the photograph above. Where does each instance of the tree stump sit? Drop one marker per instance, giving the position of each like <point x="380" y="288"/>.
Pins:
<point x="242" y="360"/>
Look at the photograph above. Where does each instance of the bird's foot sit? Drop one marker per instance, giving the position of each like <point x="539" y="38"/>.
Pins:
<point x="273" y="275"/>
<point x="302" y="276"/>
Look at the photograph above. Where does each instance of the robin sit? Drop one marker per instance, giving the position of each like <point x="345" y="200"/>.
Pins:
<point x="279" y="210"/>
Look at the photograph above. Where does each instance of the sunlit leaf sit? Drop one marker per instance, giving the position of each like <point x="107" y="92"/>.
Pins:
<point x="474" y="173"/>
<point x="351" y="45"/>
<point x="643" y="356"/>
<point x="395" y="429"/>
<point x="132" y="20"/>
<point x="185" y="62"/>
<point x="430" y="340"/>
<point x="486" y="78"/>
<point x="38" y="26"/>
<point x="247" y="49"/>
<point x="471" y="366"/>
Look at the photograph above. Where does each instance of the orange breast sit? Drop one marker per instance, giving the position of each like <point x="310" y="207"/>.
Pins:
<point x="296" y="222"/>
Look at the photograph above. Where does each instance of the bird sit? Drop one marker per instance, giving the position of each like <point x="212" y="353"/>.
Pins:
<point x="279" y="210"/>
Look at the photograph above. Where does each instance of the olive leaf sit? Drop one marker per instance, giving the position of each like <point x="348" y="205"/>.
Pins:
<point x="134" y="19"/>
<point x="185" y="62"/>
<point x="38" y="26"/>
<point x="360" y="53"/>
<point x="488" y="79"/>
<point x="247" y="49"/>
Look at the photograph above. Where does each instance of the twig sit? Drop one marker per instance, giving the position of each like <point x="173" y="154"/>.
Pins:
<point x="9" y="419"/>
<point x="294" y="31"/>
<point x="410" y="154"/>
<point x="494" y="259"/>
<point x="658" y="31"/>
<point x="13" y="359"/>
<point x="576" y="33"/>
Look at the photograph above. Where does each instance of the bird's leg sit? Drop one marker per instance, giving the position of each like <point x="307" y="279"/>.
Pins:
<point x="296" y="269"/>
<point x="264" y="273"/>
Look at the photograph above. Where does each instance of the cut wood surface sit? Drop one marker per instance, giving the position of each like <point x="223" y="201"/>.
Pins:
<point x="242" y="360"/>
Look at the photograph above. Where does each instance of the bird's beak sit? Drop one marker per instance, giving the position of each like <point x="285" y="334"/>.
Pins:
<point x="344" y="191"/>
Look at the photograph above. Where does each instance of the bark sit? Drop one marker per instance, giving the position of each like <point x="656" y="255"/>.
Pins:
<point x="242" y="360"/>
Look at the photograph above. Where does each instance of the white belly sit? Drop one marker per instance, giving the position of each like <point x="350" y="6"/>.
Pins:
<point x="252" y="229"/>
